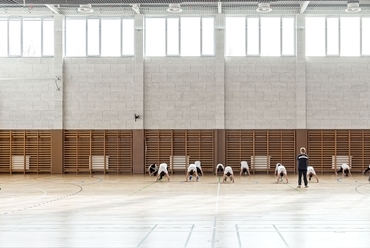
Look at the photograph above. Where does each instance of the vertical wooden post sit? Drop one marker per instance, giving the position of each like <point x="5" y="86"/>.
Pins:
<point x="57" y="144"/>
<point x="138" y="151"/>
<point x="301" y="141"/>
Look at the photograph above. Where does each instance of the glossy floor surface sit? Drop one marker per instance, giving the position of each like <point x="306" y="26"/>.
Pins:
<point x="135" y="211"/>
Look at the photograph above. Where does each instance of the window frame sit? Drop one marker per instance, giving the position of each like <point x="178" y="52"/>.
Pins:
<point x="120" y="18"/>
<point x="179" y="36"/>
<point x="259" y="35"/>
<point x="339" y="35"/>
<point x="21" y="19"/>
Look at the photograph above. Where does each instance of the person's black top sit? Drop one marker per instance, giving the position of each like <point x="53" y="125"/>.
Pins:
<point x="302" y="161"/>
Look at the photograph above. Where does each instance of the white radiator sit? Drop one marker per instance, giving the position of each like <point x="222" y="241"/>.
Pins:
<point x="179" y="162"/>
<point x="97" y="163"/>
<point x="20" y="162"/>
<point x="260" y="162"/>
<point x="337" y="161"/>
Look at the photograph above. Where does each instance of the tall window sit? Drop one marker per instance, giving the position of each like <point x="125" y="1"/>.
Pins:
<point x="109" y="37"/>
<point x="315" y="36"/>
<point x="260" y="36"/>
<point x="93" y="37"/>
<point x="128" y="37"/>
<point x="288" y="36"/>
<point x="185" y="36"/>
<point x="365" y="36"/>
<point x="270" y="36"/>
<point x="155" y="37"/>
<point x="337" y="36"/>
<point x="31" y="37"/>
<point x="253" y="37"/>
<point x="173" y="36"/>
<point x="350" y="36"/>
<point x="76" y="37"/>
<point x="15" y="41"/>
<point x="3" y="37"/>
<point x="235" y="36"/>
<point x="208" y="36"/>
<point x="190" y="36"/>
<point x="332" y="29"/>
<point x="48" y="37"/>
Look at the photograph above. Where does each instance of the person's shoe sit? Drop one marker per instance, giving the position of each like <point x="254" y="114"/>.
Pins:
<point x="298" y="186"/>
<point x="306" y="186"/>
<point x="190" y="178"/>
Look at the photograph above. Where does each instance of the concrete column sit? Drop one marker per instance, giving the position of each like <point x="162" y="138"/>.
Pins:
<point x="301" y="87"/>
<point x="58" y="72"/>
<point x="138" y="132"/>
<point x="57" y="121"/>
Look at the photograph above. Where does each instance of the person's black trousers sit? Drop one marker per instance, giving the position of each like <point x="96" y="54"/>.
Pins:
<point x="304" y="173"/>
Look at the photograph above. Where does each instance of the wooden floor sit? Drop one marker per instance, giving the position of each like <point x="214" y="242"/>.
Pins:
<point x="135" y="211"/>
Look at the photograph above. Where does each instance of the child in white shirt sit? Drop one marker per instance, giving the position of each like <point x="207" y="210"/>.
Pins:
<point x="281" y="172"/>
<point x="311" y="172"/>
<point x="163" y="171"/>
<point x="244" y="168"/>
<point x="192" y="171"/>
<point x="228" y="173"/>
<point x="220" y="169"/>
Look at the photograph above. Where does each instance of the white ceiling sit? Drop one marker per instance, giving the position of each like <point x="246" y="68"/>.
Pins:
<point x="159" y="7"/>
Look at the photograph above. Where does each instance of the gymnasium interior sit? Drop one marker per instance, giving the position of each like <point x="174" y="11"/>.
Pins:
<point x="94" y="92"/>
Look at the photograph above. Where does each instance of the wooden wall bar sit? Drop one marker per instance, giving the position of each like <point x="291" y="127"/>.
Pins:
<point x="80" y="146"/>
<point x="199" y="145"/>
<point x="25" y="151"/>
<point x="132" y="151"/>
<point x="273" y="146"/>
<point x="324" y="144"/>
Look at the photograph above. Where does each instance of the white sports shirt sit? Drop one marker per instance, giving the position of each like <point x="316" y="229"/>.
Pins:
<point x="192" y="167"/>
<point x="281" y="168"/>
<point x="310" y="169"/>
<point x="244" y="164"/>
<point x="162" y="167"/>
<point x="345" y="166"/>
<point x="228" y="169"/>
<point x="222" y="166"/>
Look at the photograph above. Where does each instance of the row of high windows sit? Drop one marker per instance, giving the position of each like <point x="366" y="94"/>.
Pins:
<point x="185" y="36"/>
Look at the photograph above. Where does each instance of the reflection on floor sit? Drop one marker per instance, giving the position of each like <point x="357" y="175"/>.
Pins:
<point x="135" y="211"/>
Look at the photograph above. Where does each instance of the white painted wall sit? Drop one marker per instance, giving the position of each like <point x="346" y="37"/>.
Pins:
<point x="26" y="93"/>
<point x="338" y="93"/>
<point x="98" y="93"/>
<point x="184" y="93"/>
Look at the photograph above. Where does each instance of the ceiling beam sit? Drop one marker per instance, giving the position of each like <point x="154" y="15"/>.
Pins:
<point x="136" y="8"/>
<point x="304" y="6"/>
<point x="52" y="8"/>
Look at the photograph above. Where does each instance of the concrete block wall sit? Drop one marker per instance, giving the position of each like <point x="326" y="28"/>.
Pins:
<point x="184" y="93"/>
<point x="260" y="93"/>
<point x="338" y="93"/>
<point x="27" y="93"/>
<point x="99" y="93"/>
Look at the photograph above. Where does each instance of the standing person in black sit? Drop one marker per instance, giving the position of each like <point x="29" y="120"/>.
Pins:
<point x="302" y="167"/>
